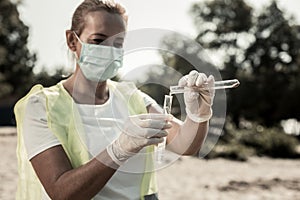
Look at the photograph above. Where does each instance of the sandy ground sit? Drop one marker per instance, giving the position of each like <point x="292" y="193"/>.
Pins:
<point x="191" y="178"/>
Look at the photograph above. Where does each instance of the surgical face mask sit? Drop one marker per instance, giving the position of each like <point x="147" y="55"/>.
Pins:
<point x="98" y="62"/>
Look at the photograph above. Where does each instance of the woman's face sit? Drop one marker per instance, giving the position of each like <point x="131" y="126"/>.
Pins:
<point x="101" y="25"/>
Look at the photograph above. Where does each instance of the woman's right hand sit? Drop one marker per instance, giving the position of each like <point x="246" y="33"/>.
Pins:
<point x="139" y="131"/>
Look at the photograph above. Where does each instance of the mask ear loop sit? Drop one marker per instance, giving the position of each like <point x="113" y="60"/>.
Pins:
<point x="74" y="55"/>
<point x="77" y="37"/>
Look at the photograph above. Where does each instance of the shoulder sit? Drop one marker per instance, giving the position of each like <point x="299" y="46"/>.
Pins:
<point x="37" y="95"/>
<point x="42" y="93"/>
<point x="31" y="96"/>
<point x="35" y="101"/>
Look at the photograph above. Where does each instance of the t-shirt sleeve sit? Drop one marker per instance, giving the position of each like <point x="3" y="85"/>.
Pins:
<point x="37" y="135"/>
<point x="147" y="99"/>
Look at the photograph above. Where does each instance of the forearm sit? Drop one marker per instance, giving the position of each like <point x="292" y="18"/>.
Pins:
<point x="188" y="137"/>
<point x="86" y="181"/>
<point x="184" y="138"/>
<point x="80" y="183"/>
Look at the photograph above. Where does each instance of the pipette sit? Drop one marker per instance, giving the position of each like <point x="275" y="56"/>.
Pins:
<point x="226" y="84"/>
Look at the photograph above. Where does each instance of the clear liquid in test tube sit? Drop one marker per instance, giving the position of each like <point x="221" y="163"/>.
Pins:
<point x="161" y="146"/>
<point x="226" y="84"/>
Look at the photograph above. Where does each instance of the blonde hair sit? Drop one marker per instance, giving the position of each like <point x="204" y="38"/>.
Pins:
<point x="95" y="5"/>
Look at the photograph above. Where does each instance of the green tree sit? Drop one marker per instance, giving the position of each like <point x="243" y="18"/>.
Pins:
<point x="270" y="68"/>
<point x="262" y="51"/>
<point x="220" y="22"/>
<point x="16" y="62"/>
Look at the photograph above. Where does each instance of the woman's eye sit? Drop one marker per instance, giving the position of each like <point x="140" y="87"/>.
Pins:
<point x="97" y="41"/>
<point x="118" y="45"/>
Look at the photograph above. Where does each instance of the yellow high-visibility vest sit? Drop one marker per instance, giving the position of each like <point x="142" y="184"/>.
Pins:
<point x="63" y="120"/>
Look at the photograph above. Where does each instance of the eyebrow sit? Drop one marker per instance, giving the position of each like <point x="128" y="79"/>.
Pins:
<point x="100" y="34"/>
<point x="103" y="35"/>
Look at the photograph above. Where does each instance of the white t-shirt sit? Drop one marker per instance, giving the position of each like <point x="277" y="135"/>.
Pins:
<point x="102" y="124"/>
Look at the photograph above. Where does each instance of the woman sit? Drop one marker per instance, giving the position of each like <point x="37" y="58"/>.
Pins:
<point x="62" y="154"/>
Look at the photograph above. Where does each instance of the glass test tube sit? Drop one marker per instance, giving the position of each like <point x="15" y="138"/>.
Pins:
<point x="218" y="85"/>
<point x="167" y="110"/>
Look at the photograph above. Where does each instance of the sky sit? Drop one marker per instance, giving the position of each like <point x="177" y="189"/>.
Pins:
<point x="48" y="20"/>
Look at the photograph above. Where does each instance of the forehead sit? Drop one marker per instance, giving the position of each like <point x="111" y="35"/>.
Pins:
<point x="103" y="22"/>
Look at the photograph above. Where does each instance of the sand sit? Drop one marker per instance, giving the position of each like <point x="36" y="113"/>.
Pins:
<point x="193" y="178"/>
<point x="258" y="178"/>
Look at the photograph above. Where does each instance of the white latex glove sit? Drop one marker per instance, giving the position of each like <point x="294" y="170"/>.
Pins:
<point x="199" y="98"/>
<point x="139" y="131"/>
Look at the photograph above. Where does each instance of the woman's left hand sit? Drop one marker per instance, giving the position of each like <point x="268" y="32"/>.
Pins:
<point x="199" y="97"/>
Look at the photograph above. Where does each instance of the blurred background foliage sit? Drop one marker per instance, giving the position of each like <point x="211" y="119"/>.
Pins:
<point x="259" y="49"/>
<point x="17" y="63"/>
<point x="15" y="59"/>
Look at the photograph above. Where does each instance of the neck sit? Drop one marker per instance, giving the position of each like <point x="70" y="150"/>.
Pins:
<point x="84" y="91"/>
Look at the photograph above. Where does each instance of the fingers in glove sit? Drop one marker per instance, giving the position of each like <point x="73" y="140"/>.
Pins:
<point x="208" y="89"/>
<point x="211" y="81"/>
<point x="183" y="81"/>
<point x="192" y="77"/>
<point x="155" y="124"/>
<point x="147" y="125"/>
<point x="154" y="133"/>
<point x="152" y="116"/>
<point x="156" y="121"/>
<point x="201" y="80"/>
<point x="206" y="85"/>
<point x="153" y="141"/>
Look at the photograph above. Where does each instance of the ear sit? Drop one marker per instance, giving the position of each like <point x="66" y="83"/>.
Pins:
<point x="71" y="40"/>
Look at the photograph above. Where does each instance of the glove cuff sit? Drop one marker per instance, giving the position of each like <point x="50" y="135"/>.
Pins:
<point x="112" y="155"/>
<point x="117" y="154"/>
<point x="199" y="119"/>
